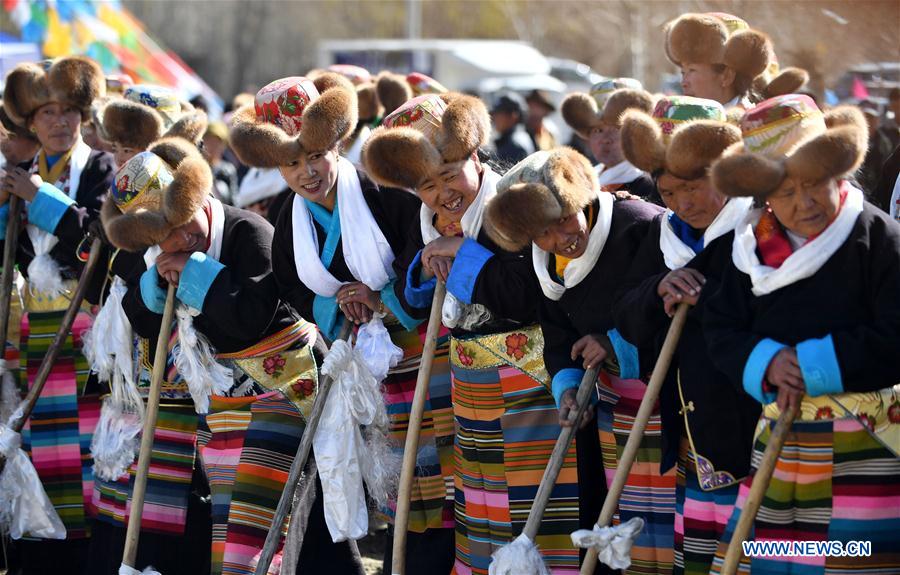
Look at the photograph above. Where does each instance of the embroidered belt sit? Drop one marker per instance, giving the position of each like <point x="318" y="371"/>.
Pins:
<point x="278" y="363"/>
<point x="877" y="411"/>
<point x="522" y="349"/>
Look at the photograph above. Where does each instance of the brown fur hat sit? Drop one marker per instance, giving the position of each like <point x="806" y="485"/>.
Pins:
<point x="393" y="91"/>
<point x="130" y="124"/>
<point x="580" y="111"/>
<point x="325" y="120"/>
<point x="403" y="153"/>
<point x="688" y="153"/>
<point x="788" y="81"/>
<point x="822" y="147"/>
<point x="191" y="125"/>
<point x="174" y="150"/>
<point x="12" y="128"/>
<point x="74" y="80"/>
<point x="369" y="106"/>
<point x="706" y="39"/>
<point x="536" y="192"/>
<point x="150" y="222"/>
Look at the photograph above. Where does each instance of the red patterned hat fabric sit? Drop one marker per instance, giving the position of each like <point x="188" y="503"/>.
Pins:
<point x="282" y="102"/>
<point x="779" y="125"/>
<point x="356" y="74"/>
<point x="672" y="111"/>
<point x="422" y="113"/>
<point x="422" y="84"/>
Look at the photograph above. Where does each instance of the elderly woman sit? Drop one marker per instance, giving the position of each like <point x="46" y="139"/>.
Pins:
<point x="63" y="184"/>
<point x="352" y="228"/>
<point x="505" y="416"/>
<point x="582" y="241"/>
<point x="707" y="423"/>
<point x="807" y="314"/>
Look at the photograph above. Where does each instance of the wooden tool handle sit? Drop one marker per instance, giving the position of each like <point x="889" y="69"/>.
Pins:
<point x="411" y="447"/>
<point x="629" y="453"/>
<point x="9" y="265"/>
<point x="761" y="480"/>
<point x="273" y="537"/>
<point x="132" y="535"/>
<point x="558" y="456"/>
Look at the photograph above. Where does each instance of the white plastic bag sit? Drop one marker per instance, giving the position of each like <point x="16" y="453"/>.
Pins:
<point x="43" y="271"/>
<point x="374" y="345"/>
<point x="613" y="544"/>
<point x="25" y="508"/>
<point x="344" y="458"/>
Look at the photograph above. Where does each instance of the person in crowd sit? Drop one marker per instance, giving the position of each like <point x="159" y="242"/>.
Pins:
<point x="175" y="526"/>
<point x="144" y="114"/>
<point x="63" y="183"/>
<point x="707" y="423"/>
<point x="215" y="142"/>
<point x="263" y="191"/>
<point x="719" y="56"/>
<point x="512" y="142"/>
<point x="776" y="329"/>
<point x="891" y="126"/>
<point x="338" y="217"/>
<point x="501" y="402"/>
<point x="17" y="144"/>
<point x="538" y="125"/>
<point x="582" y="241"/>
<point x="601" y="127"/>
<point x="231" y="329"/>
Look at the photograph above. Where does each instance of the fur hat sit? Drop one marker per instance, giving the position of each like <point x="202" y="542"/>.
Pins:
<point x="146" y="113"/>
<point x="602" y="90"/>
<point x="788" y="136"/>
<point x="292" y="115"/>
<point x="581" y="113"/>
<point x="12" y="128"/>
<point x="74" y="81"/>
<point x="788" y="81"/>
<point x="415" y="141"/>
<point x="536" y="192"/>
<point x="368" y="105"/>
<point x="683" y="136"/>
<point x="393" y="91"/>
<point x="717" y="38"/>
<point x="149" y="199"/>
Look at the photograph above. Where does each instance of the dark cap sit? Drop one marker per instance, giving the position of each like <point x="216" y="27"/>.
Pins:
<point x="509" y="102"/>
<point x="541" y="97"/>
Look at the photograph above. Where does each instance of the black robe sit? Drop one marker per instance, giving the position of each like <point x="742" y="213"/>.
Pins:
<point x="392" y="209"/>
<point x="724" y="417"/>
<point x="93" y="184"/>
<point x="854" y="299"/>
<point x="505" y="284"/>
<point x="242" y="304"/>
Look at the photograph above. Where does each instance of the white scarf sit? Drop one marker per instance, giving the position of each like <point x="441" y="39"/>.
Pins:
<point x="581" y="266"/>
<point x="366" y="251"/>
<point x="622" y="173"/>
<point x="455" y="312"/>
<point x="43" y="271"/>
<point x="354" y="152"/>
<point x="805" y="261"/>
<point x="676" y="253"/>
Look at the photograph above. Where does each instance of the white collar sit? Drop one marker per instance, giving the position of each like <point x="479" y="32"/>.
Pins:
<point x="805" y="261"/>
<point x="622" y="173"/>
<point x="580" y="267"/>
<point x="676" y="253"/>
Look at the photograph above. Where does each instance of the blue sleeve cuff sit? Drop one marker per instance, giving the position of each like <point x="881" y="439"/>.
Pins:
<point x="563" y="380"/>
<point x="153" y="295"/>
<point x="417" y="295"/>
<point x="392" y="303"/>
<point x="198" y="274"/>
<point x="467" y="264"/>
<point x="48" y="207"/>
<point x="626" y="354"/>
<point x="818" y="362"/>
<point x="4" y="219"/>
<point x="755" y="369"/>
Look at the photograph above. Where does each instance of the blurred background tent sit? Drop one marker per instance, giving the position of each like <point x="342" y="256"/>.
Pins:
<point x="105" y="31"/>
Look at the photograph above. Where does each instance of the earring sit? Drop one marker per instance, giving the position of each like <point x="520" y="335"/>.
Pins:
<point x="33" y="130"/>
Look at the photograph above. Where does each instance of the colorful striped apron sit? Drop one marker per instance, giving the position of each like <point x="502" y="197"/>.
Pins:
<point x="247" y="443"/>
<point x="507" y="424"/>
<point x="647" y="494"/>
<point x="58" y="434"/>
